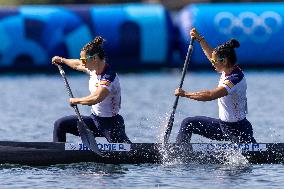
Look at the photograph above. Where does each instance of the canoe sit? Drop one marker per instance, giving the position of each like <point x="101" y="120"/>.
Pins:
<point x="51" y="153"/>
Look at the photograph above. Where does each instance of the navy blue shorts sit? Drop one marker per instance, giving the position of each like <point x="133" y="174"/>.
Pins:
<point x="215" y="129"/>
<point x="112" y="128"/>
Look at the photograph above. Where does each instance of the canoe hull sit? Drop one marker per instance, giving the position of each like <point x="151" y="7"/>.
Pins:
<point x="49" y="153"/>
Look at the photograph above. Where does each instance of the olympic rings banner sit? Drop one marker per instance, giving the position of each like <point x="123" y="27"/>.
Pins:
<point x="137" y="34"/>
<point x="259" y="27"/>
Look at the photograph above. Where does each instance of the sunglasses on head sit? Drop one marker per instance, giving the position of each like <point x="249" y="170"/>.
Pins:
<point x="213" y="61"/>
<point x="84" y="60"/>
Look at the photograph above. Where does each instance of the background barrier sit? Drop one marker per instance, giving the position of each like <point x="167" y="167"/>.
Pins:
<point x="258" y="27"/>
<point x="137" y="35"/>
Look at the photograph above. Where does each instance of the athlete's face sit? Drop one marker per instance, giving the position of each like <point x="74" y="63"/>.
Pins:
<point x="217" y="62"/>
<point x="86" y="59"/>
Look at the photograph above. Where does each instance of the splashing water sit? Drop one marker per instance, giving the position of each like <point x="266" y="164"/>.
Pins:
<point x="235" y="158"/>
<point x="173" y="154"/>
<point x="163" y="120"/>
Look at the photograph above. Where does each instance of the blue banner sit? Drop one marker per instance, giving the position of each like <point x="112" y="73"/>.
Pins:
<point x="136" y="34"/>
<point x="258" y="27"/>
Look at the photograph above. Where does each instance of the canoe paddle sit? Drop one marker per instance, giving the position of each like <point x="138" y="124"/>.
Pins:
<point x="86" y="134"/>
<point x="172" y="117"/>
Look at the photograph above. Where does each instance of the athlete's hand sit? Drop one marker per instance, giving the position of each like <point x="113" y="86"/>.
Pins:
<point x="73" y="101"/>
<point x="56" y="60"/>
<point x="194" y="34"/>
<point x="180" y="92"/>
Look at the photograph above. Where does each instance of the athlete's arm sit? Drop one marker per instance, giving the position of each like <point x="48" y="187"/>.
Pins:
<point x="75" y="64"/>
<point x="207" y="49"/>
<point x="96" y="97"/>
<point x="206" y="95"/>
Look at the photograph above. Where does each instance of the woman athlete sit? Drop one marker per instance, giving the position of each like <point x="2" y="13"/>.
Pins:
<point x="104" y="97"/>
<point x="232" y="124"/>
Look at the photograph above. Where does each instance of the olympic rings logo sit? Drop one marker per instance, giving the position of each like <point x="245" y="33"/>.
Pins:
<point x="248" y="25"/>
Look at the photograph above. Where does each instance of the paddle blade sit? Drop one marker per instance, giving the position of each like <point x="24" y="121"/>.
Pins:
<point x="87" y="137"/>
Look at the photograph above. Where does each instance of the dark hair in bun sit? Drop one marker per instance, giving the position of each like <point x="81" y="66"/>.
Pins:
<point x="227" y="50"/>
<point x="233" y="43"/>
<point x="95" y="47"/>
<point x="98" y="40"/>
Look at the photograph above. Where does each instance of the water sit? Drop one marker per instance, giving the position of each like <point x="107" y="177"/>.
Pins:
<point x="30" y="104"/>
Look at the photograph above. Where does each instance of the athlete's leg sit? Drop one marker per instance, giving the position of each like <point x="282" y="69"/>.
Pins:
<point x="68" y="124"/>
<point x="118" y="132"/>
<point x="201" y="125"/>
<point x="239" y="132"/>
<point x="247" y="134"/>
<point x="112" y="128"/>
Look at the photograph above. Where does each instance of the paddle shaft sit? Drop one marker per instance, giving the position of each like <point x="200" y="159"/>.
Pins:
<point x="172" y="117"/>
<point x="75" y="107"/>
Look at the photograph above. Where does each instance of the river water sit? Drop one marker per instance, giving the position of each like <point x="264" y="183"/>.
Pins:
<point x="29" y="104"/>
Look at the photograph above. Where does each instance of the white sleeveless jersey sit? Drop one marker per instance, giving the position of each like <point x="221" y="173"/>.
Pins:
<point x="111" y="104"/>
<point x="233" y="107"/>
